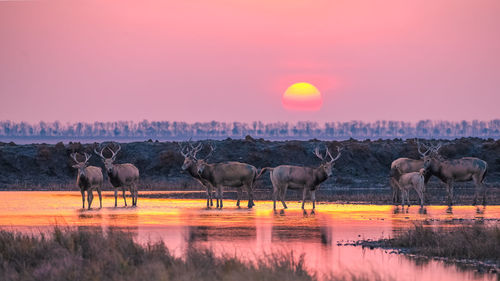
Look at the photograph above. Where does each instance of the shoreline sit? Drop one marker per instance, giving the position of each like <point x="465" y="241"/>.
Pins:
<point x="364" y="196"/>
<point x="480" y="265"/>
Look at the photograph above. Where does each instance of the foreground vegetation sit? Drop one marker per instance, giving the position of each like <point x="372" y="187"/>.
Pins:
<point x="91" y="254"/>
<point x="473" y="242"/>
<point x="469" y="244"/>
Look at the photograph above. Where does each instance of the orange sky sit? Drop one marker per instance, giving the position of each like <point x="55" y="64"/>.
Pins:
<point x="232" y="60"/>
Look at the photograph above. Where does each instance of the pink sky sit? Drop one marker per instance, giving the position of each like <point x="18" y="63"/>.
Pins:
<point x="232" y="60"/>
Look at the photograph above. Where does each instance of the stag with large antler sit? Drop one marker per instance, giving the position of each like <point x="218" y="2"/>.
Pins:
<point x="457" y="170"/>
<point x="191" y="163"/>
<point x="306" y="179"/>
<point x="229" y="174"/>
<point x="88" y="178"/>
<point x="402" y="166"/>
<point x="120" y="175"/>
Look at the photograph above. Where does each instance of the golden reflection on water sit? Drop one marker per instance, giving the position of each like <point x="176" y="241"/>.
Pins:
<point x="253" y="233"/>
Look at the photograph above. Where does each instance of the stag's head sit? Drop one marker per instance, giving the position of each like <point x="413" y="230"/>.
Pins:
<point x="80" y="165"/>
<point x="327" y="165"/>
<point x="201" y="164"/>
<point x="423" y="154"/>
<point x="189" y="152"/>
<point x="201" y="168"/>
<point x="432" y="159"/>
<point x="108" y="162"/>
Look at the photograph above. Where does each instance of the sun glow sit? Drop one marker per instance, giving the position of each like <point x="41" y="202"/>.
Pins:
<point x="302" y="96"/>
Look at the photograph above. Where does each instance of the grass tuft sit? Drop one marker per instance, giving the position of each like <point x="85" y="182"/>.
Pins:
<point x="477" y="242"/>
<point x="92" y="254"/>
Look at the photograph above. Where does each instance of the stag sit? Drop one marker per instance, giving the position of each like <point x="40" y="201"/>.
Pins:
<point x="229" y="174"/>
<point x="413" y="180"/>
<point x="457" y="170"/>
<point x="305" y="178"/>
<point x="88" y="177"/>
<point x="191" y="166"/>
<point x="402" y="166"/>
<point x="120" y="175"/>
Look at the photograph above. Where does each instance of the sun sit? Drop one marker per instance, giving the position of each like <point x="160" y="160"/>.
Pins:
<point x="302" y="96"/>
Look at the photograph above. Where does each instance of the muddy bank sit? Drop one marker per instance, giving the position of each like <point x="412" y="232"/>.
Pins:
<point x="363" y="165"/>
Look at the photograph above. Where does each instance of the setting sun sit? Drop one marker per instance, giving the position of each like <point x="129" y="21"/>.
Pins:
<point x="302" y="96"/>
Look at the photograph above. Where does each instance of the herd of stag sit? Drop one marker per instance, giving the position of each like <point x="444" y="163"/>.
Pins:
<point x="405" y="174"/>
<point x="414" y="174"/>
<point x="120" y="175"/>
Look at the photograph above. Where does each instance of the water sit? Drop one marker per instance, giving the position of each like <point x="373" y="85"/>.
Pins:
<point x="250" y="234"/>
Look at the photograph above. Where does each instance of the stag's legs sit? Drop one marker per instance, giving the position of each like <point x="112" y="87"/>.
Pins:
<point x="211" y="190"/>
<point x="313" y="199"/>
<point x="90" y="197"/>
<point x="250" y="196"/>
<point x="483" y="187"/>
<point x="407" y="192"/>
<point x="136" y="195"/>
<point x="402" y="198"/>
<point x="283" y="196"/>
<point x="304" y="193"/>
<point x="449" y="189"/>
<point x="275" y="196"/>
<point x="221" y="194"/>
<point x="218" y="195"/>
<point x="239" y="191"/>
<point x="480" y="187"/>
<point x="100" y="197"/>
<point x="116" y="196"/>
<point x="421" y="196"/>
<point x="133" y="194"/>
<point x="209" y="197"/>
<point x="395" y="191"/>
<point x="83" y="198"/>
<point x="476" y="192"/>
<point x="123" y="193"/>
<point x="404" y="195"/>
<point x="407" y="195"/>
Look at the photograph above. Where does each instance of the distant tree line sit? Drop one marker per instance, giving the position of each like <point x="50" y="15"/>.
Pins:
<point x="274" y="130"/>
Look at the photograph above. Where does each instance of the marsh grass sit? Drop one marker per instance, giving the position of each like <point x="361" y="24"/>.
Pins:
<point x="93" y="254"/>
<point x="478" y="242"/>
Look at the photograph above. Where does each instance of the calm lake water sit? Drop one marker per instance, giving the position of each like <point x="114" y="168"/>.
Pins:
<point x="250" y="234"/>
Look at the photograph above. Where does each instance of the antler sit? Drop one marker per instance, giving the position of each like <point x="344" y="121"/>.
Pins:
<point x="73" y="155"/>
<point x="316" y="152"/>
<point x="113" y="156"/>
<point x="87" y="157"/>
<point x="100" y="152"/>
<point x="196" y="149"/>
<point x="339" y="151"/>
<point x="212" y="149"/>
<point x="420" y="152"/>
<point x="435" y="148"/>
<point x="182" y="150"/>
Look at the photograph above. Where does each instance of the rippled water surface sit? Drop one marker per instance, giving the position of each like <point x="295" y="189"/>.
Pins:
<point x="182" y="223"/>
